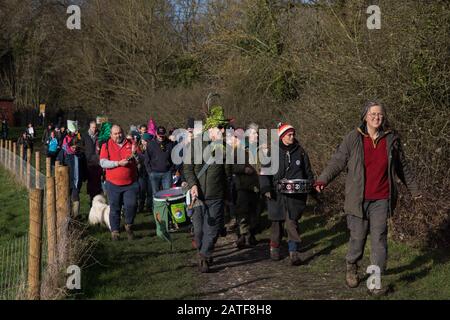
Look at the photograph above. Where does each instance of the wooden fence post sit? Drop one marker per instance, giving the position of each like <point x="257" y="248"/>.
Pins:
<point x="1" y="151"/>
<point x="15" y="159"/>
<point x="5" y="154"/>
<point x="62" y="206"/>
<point x="21" y="163"/>
<point x="37" y="169"/>
<point x="28" y="179"/>
<point x="35" y="234"/>
<point x="10" y="155"/>
<point x="48" y="167"/>
<point x="51" y="219"/>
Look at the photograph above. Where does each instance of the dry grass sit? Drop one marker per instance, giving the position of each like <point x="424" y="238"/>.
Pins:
<point x="75" y="249"/>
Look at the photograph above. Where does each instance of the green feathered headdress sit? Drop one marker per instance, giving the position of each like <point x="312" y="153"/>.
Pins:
<point x="216" y="118"/>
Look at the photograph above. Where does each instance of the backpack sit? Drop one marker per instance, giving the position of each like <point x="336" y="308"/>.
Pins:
<point x="53" y="145"/>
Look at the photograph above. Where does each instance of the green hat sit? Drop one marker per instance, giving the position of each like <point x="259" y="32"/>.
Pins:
<point x="147" y="136"/>
<point x="216" y="118"/>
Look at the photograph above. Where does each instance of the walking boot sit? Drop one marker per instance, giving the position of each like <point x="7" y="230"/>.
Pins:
<point x="223" y="232"/>
<point x="295" y="258"/>
<point x="128" y="229"/>
<point x="75" y="209"/>
<point x="250" y="240"/>
<point x="240" y="243"/>
<point x="203" y="266"/>
<point x="115" y="236"/>
<point x="379" y="292"/>
<point x="232" y="225"/>
<point x="275" y="253"/>
<point x="351" y="277"/>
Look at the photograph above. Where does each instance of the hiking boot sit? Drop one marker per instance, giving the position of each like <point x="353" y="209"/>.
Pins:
<point x="210" y="260"/>
<point x="232" y="225"/>
<point x="223" y="232"/>
<point x="115" y="236"/>
<point x="240" y="243"/>
<point x="378" y="292"/>
<point x="275" y="253"/>
<point x="194" y="244"/>
<point x="75" y="210"/>
<point x="251" y="241"/>
<point x="351" y="277"/>
<point x="130" y="234"/>
<point x="203" y="266"/>
<point x="295" y="258"/>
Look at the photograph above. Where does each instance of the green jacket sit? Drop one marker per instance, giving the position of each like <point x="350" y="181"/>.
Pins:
<point x="213" y="183"/>
<point x="350" y="155"/>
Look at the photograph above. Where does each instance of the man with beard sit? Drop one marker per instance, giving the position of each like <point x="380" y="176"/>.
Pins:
<point x="118" y="156"/>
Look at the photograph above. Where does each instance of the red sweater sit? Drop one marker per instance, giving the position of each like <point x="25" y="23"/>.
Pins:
<point x="120" y="176"/>
<point x="376" y="169"/>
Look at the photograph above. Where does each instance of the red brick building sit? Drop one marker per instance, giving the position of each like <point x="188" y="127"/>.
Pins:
<point x="6" y="110"/>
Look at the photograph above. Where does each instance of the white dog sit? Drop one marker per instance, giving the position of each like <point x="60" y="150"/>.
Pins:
<point x="99" y="213"/>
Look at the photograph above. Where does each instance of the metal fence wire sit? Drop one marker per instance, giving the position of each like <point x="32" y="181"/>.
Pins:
<point x="14" y="254"/>
<point x="14" y="269"/>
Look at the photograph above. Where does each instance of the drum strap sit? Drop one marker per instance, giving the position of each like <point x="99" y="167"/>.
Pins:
<point x="203" y="170"/>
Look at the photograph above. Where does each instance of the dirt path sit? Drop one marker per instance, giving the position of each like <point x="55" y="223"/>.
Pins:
<point x="250" y="274"/>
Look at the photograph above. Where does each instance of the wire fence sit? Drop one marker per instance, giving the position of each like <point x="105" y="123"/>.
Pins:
<point x="33" y="267"/>
<point x="14" y="253"/>
<point x="29" y="174"/>
<point x="14" y="269"/>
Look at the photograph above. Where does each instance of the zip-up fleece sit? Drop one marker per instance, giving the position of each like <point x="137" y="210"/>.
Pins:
<point x="350" y="155"/>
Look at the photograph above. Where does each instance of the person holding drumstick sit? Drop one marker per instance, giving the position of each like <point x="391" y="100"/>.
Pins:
<point x="373" y="156"/>
<point x="207" y="182"/>
<point x="286" y="209"/>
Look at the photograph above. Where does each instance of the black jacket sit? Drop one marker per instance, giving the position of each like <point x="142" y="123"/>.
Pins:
<point x="293" y="164"/>
<point x="90" y="149"/>
<point x="158" y="156"/>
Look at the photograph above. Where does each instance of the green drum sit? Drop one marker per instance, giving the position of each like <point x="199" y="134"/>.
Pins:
<point x="174" y="200"/>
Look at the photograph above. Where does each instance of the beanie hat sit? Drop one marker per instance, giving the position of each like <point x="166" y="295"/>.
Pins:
<point x="161" y="131"/>
<point x="147" y="136"/>
<point x="284" y="128"/>
<point x="190" y="123"/>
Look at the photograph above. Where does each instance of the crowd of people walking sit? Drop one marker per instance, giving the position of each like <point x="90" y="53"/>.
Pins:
<point x="130" y="167"/>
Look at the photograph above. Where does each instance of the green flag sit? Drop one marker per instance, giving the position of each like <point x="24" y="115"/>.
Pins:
<point x="105" y="132"/>
<point x="162" y="215"/>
